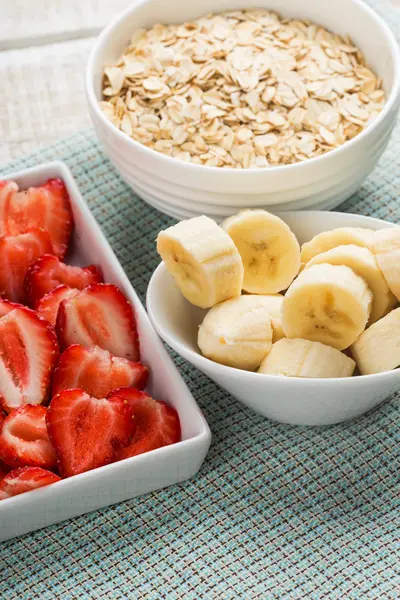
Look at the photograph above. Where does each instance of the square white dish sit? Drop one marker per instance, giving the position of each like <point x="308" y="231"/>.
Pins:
<point x="134" y="476"/>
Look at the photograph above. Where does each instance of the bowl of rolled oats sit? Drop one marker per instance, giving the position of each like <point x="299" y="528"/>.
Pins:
<point x="281" y="106"/>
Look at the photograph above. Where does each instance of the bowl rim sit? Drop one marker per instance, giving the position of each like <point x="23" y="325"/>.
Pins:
<point x="197" y="357"/>
<point x="391" y="101"/>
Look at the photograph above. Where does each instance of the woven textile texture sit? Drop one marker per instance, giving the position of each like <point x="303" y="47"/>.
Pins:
<point x="275" y="512"/>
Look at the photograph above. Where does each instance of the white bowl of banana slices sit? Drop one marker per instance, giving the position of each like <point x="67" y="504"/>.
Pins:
<point x="294" y="314"/>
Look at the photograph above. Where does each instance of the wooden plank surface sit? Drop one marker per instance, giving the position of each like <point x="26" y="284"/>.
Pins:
<point x="44" y="47"/>
<point x="26" y="23"/>
<point x="42" y="97"/>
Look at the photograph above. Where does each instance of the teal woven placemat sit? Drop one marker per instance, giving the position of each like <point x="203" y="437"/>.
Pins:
<point x="275" y="512"/>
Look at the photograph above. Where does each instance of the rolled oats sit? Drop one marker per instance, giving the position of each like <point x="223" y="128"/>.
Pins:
<point x="241" y="89"/>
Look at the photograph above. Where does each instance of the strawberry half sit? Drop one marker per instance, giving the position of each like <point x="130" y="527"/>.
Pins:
<point x="17" y="252"/>
<point x="87" y="432"/>
<point x="157" y="424"/>
<point x="28" y="353"/>
<point x="48" y="272"/>
<point x="96" y="371"/>
<point x="45" y="207"/>
<point x="6" y="306"/>
<point x="25" y="479"/>
<point x="99" y="315"/>
<point x="47" y="307"/>
<point x="24" y="439"/>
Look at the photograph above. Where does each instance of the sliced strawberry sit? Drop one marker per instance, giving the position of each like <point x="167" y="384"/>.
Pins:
<point x="7" y="186"/>
<point x="7" y="191"/>
<point x="48" y="305"/>
<point x="96" y="371"/>
<point x="17" y="252"/>
<point x="45" y="207"/>
<point x="87" y="432"/>
<point x="24" y="440"/>
<point x="25" y="479"/>
<point x="48" y="272"/>
<point x="3" y="471"/>
<point x="99" y="315"/>
<point x="28" y="353"/>
<point x="6" y="306"/>
<point x="157" y="424"/>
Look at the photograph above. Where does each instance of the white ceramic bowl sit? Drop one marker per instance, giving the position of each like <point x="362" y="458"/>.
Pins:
<point x="181" y="189"/>
<point x="289" y="400"/>
<point x="133" y="476"/>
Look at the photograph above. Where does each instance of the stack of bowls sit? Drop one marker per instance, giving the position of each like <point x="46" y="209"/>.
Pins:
<point x="185" y="190"/>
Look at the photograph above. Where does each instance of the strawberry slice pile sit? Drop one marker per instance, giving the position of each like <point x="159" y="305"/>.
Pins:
<point x="25" y="479"/>
<point x="96" y="371"/>
<point x="99" y="315"/>
<point x="17" y="252"/>
<point x="28" y="355"/>
<point x="157" y="424"/>
<point x="24" y="439"/>
<point x="88" y="432"/>
<point x="46" y="207"/>
<point x="48" y="272"/>
<point x="47" y="306"/>
<point x="71" y="382"/>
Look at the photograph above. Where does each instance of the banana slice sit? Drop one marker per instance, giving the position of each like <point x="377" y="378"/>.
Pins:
<point x="273" y="304"/>
<point x="327" y="304"/>
<point x="237" y="332"/>
<point x="386" y="246"/>
<point x="342" y="236"/>
<point x="203" y="260"/>
<point x="270" y="251"/>
<point x="302" y="358"/>
<point x="364" y="264"/>
<point x="378" y="348"/>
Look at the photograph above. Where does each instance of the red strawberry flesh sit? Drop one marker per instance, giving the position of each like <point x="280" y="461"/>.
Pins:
<point x="25" y="479"/>
<point x="3" y="472"/>
<point x="96" y="371"/>
<point x="87" y="432"/>
<point x="24" y="439"/>
<point x="157" y="423"/>
<point x="99" y="315"/>
<point x="16" y="255"/>
<point x="28" y="353"/>
<point x="48" y="305"/>
<point x="48" y="272"/>
<point x="6" y="306"/>
<point x="7" y="191"/>
<point x="46" y="207"/>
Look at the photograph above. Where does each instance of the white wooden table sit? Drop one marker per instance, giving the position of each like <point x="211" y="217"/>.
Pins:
<point x="44" y="46"/>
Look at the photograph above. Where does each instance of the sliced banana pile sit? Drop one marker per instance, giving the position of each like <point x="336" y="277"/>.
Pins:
<point x="285" y="310"/>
